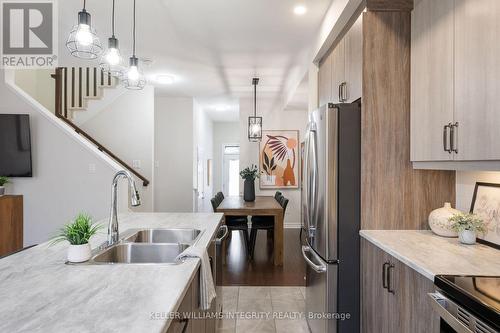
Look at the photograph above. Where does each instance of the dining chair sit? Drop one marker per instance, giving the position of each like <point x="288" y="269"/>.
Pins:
<point x="239" y="223"/>
<point x="265" y="223"/>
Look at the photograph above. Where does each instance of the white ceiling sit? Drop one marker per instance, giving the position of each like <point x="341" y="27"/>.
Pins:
<point x="213" y="48"/>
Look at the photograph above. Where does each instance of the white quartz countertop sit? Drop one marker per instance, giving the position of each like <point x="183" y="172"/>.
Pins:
<point x="431" y="255"/>
<point x="39" y="293"/>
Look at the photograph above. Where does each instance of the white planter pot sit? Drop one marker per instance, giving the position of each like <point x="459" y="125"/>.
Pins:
<point x="467" y="237"/>
<point x="79" y="253"/>
<point x="2" y="190"/>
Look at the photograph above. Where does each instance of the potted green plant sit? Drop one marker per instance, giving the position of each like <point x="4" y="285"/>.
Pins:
<point x="249" y="174"/>
<point x="3" y="180"/>
<point x="78" y="234"/>
<point x="467" y="225"/>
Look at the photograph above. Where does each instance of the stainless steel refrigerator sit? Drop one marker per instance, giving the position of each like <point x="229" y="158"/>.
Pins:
<point x="331" y="218"/>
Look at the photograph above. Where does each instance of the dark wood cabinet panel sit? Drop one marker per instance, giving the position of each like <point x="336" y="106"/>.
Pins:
<point x="11" y="224"/>
<point x="403" y="305"/>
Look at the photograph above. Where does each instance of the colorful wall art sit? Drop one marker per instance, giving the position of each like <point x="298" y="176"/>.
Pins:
<point x="279" y="159"/>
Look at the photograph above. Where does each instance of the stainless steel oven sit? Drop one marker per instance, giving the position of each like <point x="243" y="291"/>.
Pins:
<point x="467" y="304"/>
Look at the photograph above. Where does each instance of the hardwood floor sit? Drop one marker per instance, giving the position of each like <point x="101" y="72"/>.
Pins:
<point x="261" y="271"/>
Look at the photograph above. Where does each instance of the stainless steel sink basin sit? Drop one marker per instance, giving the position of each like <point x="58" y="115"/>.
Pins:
<point x="185" y="236"/>
<point x="133" y="253"/>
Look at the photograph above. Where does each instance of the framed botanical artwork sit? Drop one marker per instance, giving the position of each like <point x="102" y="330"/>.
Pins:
<point x="279" y="160"/>
<point x="486" y="205"/>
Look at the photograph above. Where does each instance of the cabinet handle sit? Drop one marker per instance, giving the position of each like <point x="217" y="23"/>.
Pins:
<point x="389" y="279"/>
<point x="340" y="92"/>
<point x="445" y="138"/>
<point x="453" y="129"/>
<point x="384" y="275"/>
<point x="344" y="95"/>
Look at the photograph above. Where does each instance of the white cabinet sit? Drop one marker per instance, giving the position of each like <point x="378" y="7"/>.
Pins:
<point x="455" y="65"/>
<point x="431" y="79"/>
<point x="340" y="71"/>
<point x="477" y="79"/>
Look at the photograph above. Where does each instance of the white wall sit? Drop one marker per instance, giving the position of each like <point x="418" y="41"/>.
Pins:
<point x="224" y="133"/>
<point x="249" y="152"/>
<point x="126" y="127"/>
<point x="62" y="185"/>
<point x="203" y="138"/>
<point x="174" y="156"/>
<point x="465" y="183"/>
<point x="39" y="84"/>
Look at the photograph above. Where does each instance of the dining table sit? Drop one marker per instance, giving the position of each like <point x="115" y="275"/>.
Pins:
<point x="262" y="206"/>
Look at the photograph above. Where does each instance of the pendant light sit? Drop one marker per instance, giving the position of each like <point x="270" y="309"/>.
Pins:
<point x="254" y="123"/>
<point x="111" y="60"/>
<point x="83" y="41"/>
<point x="133" y="78"/>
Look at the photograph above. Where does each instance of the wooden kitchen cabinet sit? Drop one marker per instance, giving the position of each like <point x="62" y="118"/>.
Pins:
<point x="393" y="295"/>
<point x="354" y="61"/>
<point x="454" y="87"/>
<point x="340" y="71"/>
<point x="325" y="80"/>
<point x="431" y="78"/>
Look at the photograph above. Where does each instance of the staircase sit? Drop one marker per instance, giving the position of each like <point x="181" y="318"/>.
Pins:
<point x="75" y="87"/>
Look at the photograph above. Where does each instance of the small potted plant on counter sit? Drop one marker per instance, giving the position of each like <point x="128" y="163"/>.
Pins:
<point x="78" y="234"/>
<point x="3" y="180"/>
<point x="467" y="226"/>
<point x="249" y="174"/>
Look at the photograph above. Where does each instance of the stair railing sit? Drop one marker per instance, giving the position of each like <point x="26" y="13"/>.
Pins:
<point x="69" y="94"/>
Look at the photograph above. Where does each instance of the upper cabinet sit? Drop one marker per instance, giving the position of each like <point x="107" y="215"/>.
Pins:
<point x="354" y="61"/>
<point x="325" y="80"/>
<point x="477" y="79"/>
<point x="454" y="81"/>
<point x="340" y="71"/>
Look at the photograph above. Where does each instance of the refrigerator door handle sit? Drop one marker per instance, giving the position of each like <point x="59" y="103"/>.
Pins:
<point x="306" y="182"/>
<point x="318" y="268"/>
<point x="313" y="186"/>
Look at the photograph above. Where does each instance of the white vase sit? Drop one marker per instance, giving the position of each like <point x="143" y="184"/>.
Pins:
<point x="467" y="237"/>
<point x="2" y="190"/>
<point x="79" y="253"/>
<point x="438" y="221"/>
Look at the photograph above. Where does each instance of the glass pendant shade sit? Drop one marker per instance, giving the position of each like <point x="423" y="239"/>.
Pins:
<point x="83" y="41"/>
<point x="254" y="122"/>
<point x="111" y="61"/>
<point x="133" y="78"/>
<point x="254" y="129"/>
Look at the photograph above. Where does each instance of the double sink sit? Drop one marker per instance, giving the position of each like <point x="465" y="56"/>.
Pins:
<point x="147" y="246"/>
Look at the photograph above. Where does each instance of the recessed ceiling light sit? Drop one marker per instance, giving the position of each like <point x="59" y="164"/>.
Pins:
<point x="300" y="10"/>
<point x="165" y="79"/>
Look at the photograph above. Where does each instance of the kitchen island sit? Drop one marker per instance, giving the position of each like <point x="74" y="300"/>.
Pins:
<point x="40" y="293"/>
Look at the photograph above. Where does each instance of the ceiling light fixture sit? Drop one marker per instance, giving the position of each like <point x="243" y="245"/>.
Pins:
<point x="300" y="10"/>
<point x="82" y="40"/>
<point x="255" y="123"/>
<point x="165" y="79"/>
<point x="111" y="60"/>
<point x="133" y="78"/>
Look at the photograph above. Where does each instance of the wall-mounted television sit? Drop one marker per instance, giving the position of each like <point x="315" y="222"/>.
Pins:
<point x="15" y="145"/>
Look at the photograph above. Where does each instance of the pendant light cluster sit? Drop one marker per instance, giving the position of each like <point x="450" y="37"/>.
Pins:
<point x="84" y="43"/>
<point x="255" y="123"/>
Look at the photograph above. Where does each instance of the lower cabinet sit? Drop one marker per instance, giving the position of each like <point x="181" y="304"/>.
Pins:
<point x="393" y="296"/>
<point x="191" y="318"/>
